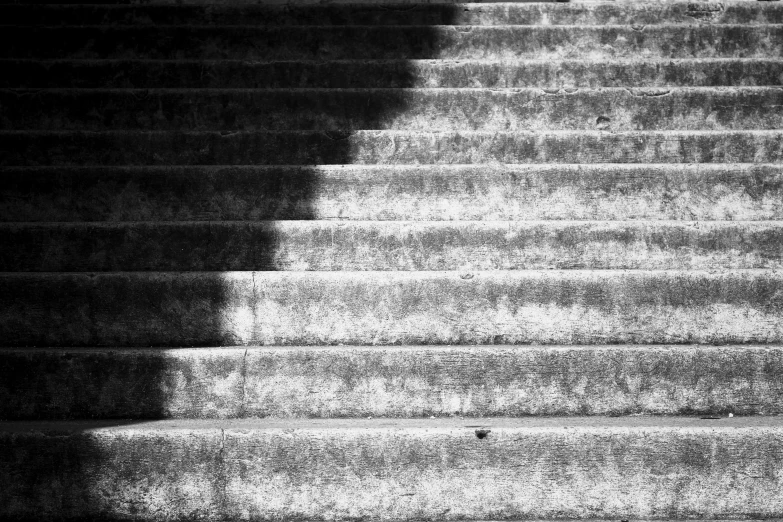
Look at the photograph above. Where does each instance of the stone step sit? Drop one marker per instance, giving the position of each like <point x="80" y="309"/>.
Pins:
<point x="432" y="192"/>
<point x="390" y="245"/>
<point x="477" y="469"/>
<point x="133" y="147"/>
<point x="392" y="13"/>
<point x="395" y="381"/>
<point x="248" y="42"/>
<point x="383" y="308"/>
<point x="615" y="109"/>
<point x="145" y="74"/>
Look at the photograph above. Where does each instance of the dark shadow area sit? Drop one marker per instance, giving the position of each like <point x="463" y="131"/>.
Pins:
<point x="124" y="153"/>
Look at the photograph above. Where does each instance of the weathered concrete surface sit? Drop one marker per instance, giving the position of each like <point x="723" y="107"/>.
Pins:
<point x="72" y="148"/>
<point x="407" y="381"/>
<point x="446" y="13"/>
<point x="395" y="42"/>
<point x="389" y="245"/>
<point x="649" y="468"/>
<point x="351" y="74"/>
<point x="446" y="192"/>
<point x="315" y="308"/>
<point x="615" y="109"/>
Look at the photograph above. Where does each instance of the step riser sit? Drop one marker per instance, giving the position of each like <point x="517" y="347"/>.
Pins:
<point x="302" y="308"/>
<point x="614" y="192"/>
<point x="413" y="473"/>
<point x="388" y="246"/>
<point x="399" y="73"/>
<point x="385" y="147"/>
<point x="389" y="382"/>
<point x="368" y="42"/>
<point x="391" y="109"/>
<point x="433" y="14"/>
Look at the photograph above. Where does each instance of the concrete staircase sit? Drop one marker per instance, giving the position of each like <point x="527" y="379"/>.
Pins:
<point x="421" y="261"/>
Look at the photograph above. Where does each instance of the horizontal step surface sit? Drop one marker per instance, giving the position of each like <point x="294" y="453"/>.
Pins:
<point x="361" y="381"/>
<point x="389" y="245"/>
<point x="385" y="147"/>
<point x="467" y="192"/>
<point x="391" y="469"/>
<point x="146" y="74"/>
<point x="641" y="13"/>
<point x="314" y="308"/>
<point x="393" y="42"/>
<point x="618" y="109"/>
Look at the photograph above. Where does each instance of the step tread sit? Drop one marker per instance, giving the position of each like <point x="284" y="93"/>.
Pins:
<point x="261" y="28"/>
<point x="390" y="14"/>
<point x="616" y="109"/>
<point x="410" y="42"/>
<point x="639" y="92"/>
<point x="436" y="427"/>
<point x="645" y="468"/>
<point x="387" y="147"/>
<point x="394" y="381"/>
<point x="372" y="192"/>
<point x="391" y="73"/>
<point x="390" y="245"/>
<point x="386" y="308"/>
<point x="721" y="60"/>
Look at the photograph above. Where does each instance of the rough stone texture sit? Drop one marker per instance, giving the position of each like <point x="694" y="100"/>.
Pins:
<point x="450" y="192"/>
<point x="653" y="148"/>
<point x="312" y="308"/>
<point x="443" y="13"/>
<point x="351" y="74"/>
<point x="621" y="109"/>
<point x="409" y="42"/>
<point x="408" y="381"/>
<point x="651" y="468"/>
<point x="67" y="148"/>
<point x="371" y="245"/>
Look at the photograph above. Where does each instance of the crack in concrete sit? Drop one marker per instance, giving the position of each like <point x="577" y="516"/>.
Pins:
<point x="243" y="375"/>
<point x="254" y="310"/>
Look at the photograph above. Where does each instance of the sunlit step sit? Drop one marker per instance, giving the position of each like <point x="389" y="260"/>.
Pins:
<point x="382" y="308"/>
<point x="391" y="381"/>
<point x="610" y="109"/>
<point x="477" y="469"/>
<point x="390" y="245"/>
<point x="72" y="148"/>
<point x="400" y="73"/>
<point x="392" y="13"/>
<point x="510" y="42"/>
<point x="387" y="192"/>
